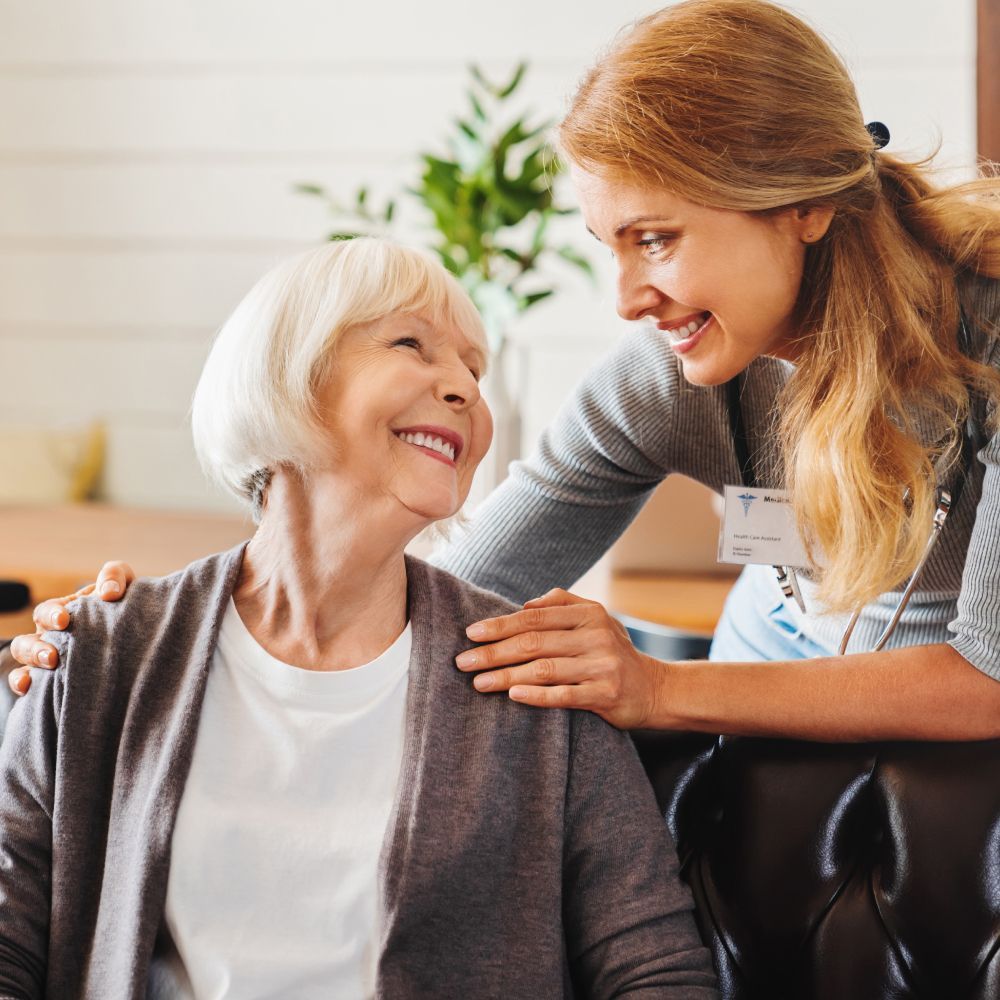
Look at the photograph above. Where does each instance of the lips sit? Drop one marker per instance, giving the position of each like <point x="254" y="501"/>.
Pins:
<point x="684" y="332"/>
<point x="434" y="441"/>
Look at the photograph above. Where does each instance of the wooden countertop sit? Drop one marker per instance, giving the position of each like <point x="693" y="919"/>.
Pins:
<point x="55" y="550"/>
<point x="687" y="601"/>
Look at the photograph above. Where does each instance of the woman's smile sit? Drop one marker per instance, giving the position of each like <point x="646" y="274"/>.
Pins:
<point x="435" y="442"/>
<point x="685" y="333"/>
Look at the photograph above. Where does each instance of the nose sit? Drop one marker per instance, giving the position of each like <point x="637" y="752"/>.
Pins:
<point x="636" y="296"/>
<point x="458" y="387"/>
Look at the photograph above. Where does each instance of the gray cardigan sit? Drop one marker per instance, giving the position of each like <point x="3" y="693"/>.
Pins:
<point x="526" y="857"/>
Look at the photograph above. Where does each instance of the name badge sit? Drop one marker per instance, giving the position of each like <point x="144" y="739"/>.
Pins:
<point x="758" y="527"/>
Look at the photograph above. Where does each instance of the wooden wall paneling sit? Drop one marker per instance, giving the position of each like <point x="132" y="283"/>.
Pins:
<point x="207" y="202"/>
<point x="233" y="33"/>
<point x="988" y="79"/>
<point x="155" y="377"/>
<point x="93" y="288"/>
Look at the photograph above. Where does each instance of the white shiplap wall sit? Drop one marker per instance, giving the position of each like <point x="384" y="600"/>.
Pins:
<point x="148" y="149"/>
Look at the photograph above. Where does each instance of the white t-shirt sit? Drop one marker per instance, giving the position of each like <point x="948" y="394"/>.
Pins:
<point x="273" y="874"/>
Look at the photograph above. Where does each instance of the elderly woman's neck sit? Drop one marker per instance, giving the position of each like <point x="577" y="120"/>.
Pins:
<point x="323" y="583"/>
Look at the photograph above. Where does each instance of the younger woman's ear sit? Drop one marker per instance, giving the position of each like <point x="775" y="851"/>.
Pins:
<point x="812" y="221"/>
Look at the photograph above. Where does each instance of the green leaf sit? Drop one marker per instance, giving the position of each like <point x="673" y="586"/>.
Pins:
<point x="441" y="176"/>
<point x="512" y="207"/>
<point x="515" y="81"/>
<point x="538" y="237"/>
<point x="577" y="259"/>
<point x="309" y="189"/>
<point x="532" y="168"/>
<point x="449" y="261"/>
<point x="511" y="254"/>
<point x="338" y="237"/>
<point x="477" y="108"/>
<point x="440" y="168"/>
<point x="361" y="197"/>
<point x="527" y="301"/>
<point x="467" y="129"/>
<point x="477" y="75"/>
<point x="511" y="137"/>
<point x="390" y="211"/>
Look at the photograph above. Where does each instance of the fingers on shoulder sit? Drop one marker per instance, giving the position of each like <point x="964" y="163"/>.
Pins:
<point x="556" y="597"/>
<point x="113" y="580"/>
<point x="52" y="614"/>
<point x="557" y="696"/>
<point x="19" y="680"/>
<point x="32" y="651"/>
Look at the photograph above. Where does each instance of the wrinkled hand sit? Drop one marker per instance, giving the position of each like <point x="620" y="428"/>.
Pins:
<point x="562" y="651"/>
<point x="30" y="650"/>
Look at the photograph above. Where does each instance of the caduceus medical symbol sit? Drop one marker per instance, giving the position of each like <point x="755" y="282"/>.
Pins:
<point x="746" y="499"/>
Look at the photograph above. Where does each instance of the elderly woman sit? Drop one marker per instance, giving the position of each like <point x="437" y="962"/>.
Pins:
<point x="264" y="777"/>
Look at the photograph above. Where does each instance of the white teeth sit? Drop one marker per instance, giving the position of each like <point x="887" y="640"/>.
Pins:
<point x="683" y="332"/>
<point x="433" y="443"/>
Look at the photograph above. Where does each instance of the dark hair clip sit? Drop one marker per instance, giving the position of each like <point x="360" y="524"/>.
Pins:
<point x="879" y="134"/>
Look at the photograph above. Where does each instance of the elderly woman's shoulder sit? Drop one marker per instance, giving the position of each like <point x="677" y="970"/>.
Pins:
<point x="444" y="590"/>
<point x="152" y="608"/>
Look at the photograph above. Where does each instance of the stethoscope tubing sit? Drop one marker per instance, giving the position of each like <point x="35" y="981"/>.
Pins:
<point x="946" y="500"/>
<point x="940" y="516"/>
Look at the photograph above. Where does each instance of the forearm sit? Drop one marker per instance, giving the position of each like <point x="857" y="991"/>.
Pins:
<point x="523" y="542"/>
<point x="593" y="469"/>
<point x="921" y="693"/>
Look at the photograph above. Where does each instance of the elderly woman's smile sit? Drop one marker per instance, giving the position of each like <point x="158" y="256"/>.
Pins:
<point x="435" y="442"/>
<point x="404" y="417"/>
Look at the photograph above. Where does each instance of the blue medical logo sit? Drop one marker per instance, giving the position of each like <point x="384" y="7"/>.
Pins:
<point x="746" y="499"/>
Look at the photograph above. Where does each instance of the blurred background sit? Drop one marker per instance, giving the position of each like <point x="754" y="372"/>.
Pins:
<point x="149" y="157"/>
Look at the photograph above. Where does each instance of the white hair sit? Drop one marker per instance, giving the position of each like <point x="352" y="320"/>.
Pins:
<point x="255" y="405"/>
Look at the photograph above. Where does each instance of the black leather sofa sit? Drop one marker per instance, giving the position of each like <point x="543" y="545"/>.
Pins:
<point x="838" y="871"/>
<point x="833" y="872"/>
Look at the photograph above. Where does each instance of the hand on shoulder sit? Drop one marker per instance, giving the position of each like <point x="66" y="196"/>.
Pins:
<point x="52" y="615"/>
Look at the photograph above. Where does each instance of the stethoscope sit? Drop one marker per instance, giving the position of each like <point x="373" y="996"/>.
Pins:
<point x="946" y="501"/>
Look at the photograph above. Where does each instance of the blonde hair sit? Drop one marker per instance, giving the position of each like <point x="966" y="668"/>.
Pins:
<point x="255" y="405"/>
<point x="737" y="104"/>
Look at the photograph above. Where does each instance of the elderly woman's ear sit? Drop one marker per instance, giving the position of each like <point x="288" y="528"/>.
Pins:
<point x="338" y="305"/>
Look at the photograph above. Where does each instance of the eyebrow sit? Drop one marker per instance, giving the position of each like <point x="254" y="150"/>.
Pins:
<point x="640" y="218"/>
<point x="630" y="223"/>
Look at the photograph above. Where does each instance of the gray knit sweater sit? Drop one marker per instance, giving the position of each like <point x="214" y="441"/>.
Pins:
<point x="525" y="858"/>
<point x="634" y="420"/>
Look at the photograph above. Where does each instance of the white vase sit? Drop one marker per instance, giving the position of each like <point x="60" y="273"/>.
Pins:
<point x="505" y="407"/>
